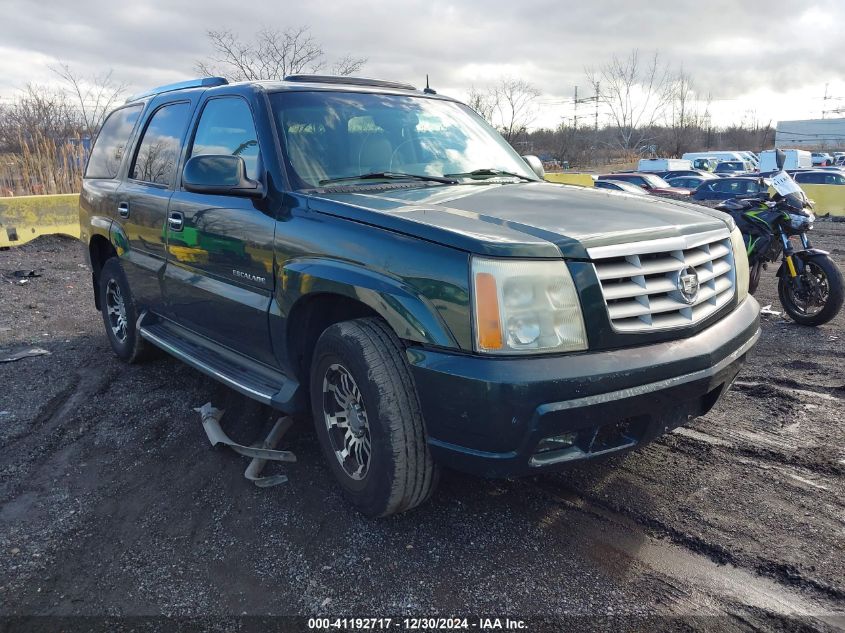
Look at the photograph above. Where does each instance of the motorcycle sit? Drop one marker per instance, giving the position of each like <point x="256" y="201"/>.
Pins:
<point x="810" y="285"/>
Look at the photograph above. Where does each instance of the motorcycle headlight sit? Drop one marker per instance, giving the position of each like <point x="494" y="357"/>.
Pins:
<point x="524" y="307"/>
<point x="741" y="276"/>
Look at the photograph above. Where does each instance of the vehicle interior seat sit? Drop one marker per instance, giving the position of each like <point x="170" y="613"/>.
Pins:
<point x="374" y="154"/>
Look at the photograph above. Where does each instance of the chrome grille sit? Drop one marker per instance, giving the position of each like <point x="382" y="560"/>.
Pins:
<point x="642" y="285"/>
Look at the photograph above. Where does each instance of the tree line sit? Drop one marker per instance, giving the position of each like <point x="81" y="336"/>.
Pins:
<point x="647" y="108"/>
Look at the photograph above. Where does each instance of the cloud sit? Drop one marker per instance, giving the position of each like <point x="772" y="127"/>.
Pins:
<point x="731" y="49"/>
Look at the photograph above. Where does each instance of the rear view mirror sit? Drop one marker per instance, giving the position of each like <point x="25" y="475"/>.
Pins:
<point x="535" y="164"/>
<point x="223" y="175"/>
<point x="780" y="158"/>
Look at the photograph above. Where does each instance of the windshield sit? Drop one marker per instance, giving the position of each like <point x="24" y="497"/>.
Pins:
<point x="729" y="166"/>
<point x="656" y="181"/>
<point x="341" y="135"/>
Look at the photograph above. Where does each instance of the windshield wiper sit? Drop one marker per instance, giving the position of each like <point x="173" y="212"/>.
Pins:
<point x="490" y="173"/>
<point x="391" y="175"/>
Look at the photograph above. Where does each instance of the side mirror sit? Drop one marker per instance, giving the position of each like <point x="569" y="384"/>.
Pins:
<point x="535" y="164"/>
<point x="222" y="175"/>
<point x="780" y="158"/>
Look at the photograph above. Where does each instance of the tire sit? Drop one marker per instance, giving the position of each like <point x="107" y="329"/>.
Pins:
<point x="121" y="329"/>
<point x="824" y="266"/>
<point x="359" y="375"/>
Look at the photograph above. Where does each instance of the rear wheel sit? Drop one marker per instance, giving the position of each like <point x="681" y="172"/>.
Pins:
<point x="368" y="419"/>
<point x="816" y="295"/>
<point x="120" y="316"/>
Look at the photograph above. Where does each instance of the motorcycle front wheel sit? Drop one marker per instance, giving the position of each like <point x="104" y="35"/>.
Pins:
<point x="815" y="296"/>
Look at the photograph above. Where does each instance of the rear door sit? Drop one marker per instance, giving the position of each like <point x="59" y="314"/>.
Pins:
<point x="101" y="181"/>
<point x="219" y="279"/>
<point x="142" y="201"/>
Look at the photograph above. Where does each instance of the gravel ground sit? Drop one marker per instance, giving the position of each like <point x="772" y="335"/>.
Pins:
<point x="112" y="502"/>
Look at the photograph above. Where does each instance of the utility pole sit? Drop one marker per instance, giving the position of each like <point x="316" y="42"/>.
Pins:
<point x="597" y="106"/>
<point x="824" y="101"/>
<point x="575" y="117"/>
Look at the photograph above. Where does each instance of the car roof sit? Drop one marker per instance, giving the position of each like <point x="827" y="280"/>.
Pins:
<point x="296" y="83"/>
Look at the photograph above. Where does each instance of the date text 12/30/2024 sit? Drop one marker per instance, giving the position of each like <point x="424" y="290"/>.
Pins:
<point x="416" y="624"/>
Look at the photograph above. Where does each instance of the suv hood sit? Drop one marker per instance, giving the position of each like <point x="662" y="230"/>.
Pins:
<point x="518" y="220"/>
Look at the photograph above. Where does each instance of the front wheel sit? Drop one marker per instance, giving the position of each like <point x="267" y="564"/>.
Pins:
<point x="815" y="296"/>
<point x="368" y="419"/>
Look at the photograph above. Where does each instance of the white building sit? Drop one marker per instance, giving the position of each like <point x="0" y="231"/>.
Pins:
<point x="811" y="134"/>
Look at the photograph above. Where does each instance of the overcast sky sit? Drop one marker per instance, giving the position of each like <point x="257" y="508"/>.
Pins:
<point x="773" y="58"/>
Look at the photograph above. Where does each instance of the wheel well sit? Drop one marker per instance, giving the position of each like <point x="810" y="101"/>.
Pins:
<point x="99" y="250"/>
<point x="309" y="318"/>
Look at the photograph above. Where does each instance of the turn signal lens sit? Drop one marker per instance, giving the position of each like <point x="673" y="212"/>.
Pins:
<point x="741" y="277"/>
<point x="487" y="312"/>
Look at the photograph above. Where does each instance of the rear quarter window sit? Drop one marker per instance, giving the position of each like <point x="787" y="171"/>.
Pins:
<point x="111" y="143"/>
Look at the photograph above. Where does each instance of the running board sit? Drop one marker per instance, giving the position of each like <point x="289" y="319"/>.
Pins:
<point x="244" y="375"/>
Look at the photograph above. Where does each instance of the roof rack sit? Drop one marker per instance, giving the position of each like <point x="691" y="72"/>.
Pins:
<point x="204" y="82"/>
<point x="349" y="81"/>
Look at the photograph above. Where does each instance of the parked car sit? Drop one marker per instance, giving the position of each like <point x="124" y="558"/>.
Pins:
<point x="705" y="163"/>
<point x="688" y="182"/>
<point x="819" y="177"/>
<point x="666" y="175"/>
<point x="822" y="158"/>
<point x="724" y="188"/>
<point x="718" y="155"/>
<point x="381" y="258"/>
<point x="621" y="185"/>
<point x="839" y="160"/>
<point x="649" y="182"/>
<point x="731" y="168"/>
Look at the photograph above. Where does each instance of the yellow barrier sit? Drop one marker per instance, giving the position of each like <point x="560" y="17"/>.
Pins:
<point x="826" y="198"/>
<point x="564" y="178"/>
<point x="23" y="218"/>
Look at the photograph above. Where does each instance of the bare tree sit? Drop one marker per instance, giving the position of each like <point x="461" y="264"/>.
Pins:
<point x="510" y="105"/>
<point x="94" y="96"/>
<point x="685" y="118"/>
<point x="483" y="102"/>
<point x="38" y="113"/>
<point x="271" y="54"/>
<point x="635" y="94"/>
<point x="515" y="106"/>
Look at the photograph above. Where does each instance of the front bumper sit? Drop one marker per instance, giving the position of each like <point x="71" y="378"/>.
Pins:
<point x="488" y="415"/>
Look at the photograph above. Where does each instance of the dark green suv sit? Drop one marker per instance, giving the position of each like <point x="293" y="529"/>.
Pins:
<point x="382" y="256"/>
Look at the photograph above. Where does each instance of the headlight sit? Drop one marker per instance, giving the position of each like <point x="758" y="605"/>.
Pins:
<point x="524" y="306"/>
<point x="740" y="264"/>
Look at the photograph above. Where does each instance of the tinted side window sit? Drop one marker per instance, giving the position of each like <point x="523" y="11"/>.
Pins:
<point x="111" y="143"/>
<point x="810" y="179"/>
<point x="158" y="151"/>
<point x="226" y="127"/>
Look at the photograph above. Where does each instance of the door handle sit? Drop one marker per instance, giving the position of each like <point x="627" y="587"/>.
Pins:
<point x="123" y="209"/>
<point x="176" y="220"/>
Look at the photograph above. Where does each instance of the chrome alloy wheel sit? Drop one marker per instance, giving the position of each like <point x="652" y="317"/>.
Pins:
<point x="346" y="421"/>
<point x="116" y="309"/>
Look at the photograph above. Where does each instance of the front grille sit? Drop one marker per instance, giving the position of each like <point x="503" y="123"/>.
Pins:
<point x="642" y="286"/>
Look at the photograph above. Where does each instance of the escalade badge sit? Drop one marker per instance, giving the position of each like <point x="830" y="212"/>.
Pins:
<point x="688" y="284"/>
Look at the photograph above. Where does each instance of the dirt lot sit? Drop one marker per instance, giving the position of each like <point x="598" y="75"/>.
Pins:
<point x="113" y="503"/>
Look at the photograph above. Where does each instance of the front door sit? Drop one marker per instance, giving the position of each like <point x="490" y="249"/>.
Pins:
<point x="219" y="279"/>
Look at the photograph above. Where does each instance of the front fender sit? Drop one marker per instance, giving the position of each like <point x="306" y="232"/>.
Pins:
<point x="805" y="254"/>
<point x="411" y="315"/>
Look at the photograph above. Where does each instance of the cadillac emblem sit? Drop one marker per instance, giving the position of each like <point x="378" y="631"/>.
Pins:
<point x="688" y="284"/>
